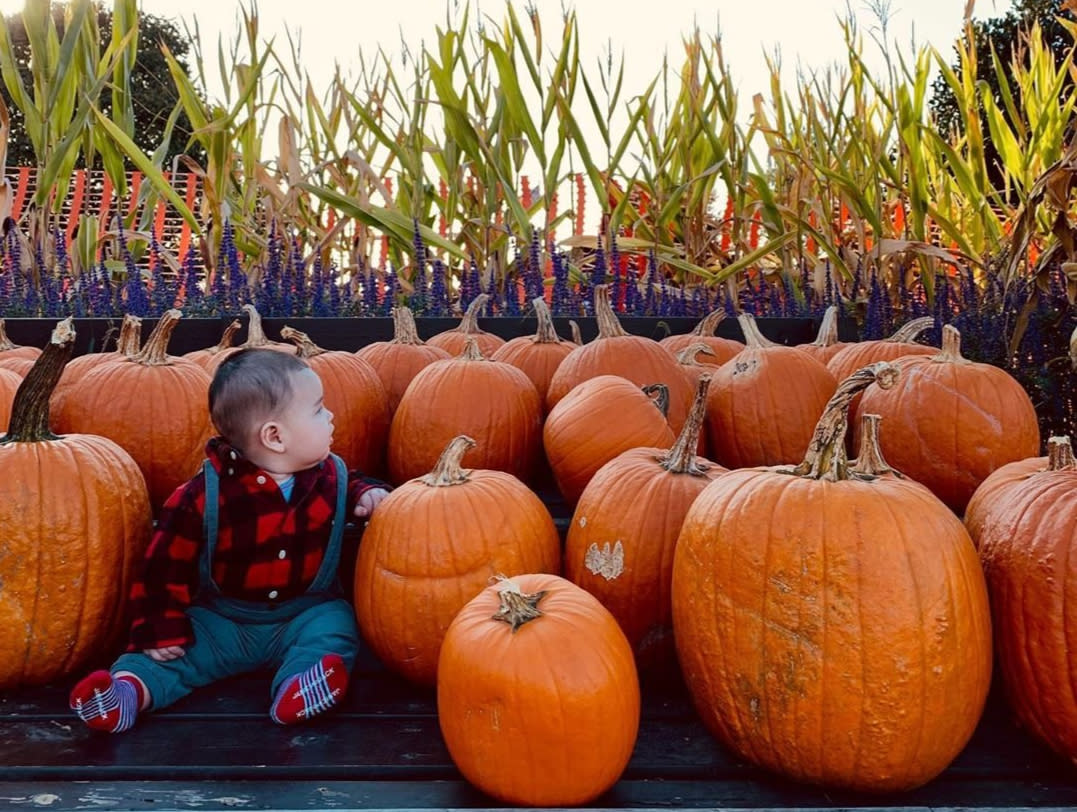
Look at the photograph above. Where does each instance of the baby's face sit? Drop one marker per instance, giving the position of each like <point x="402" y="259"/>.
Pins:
<point x="306" y="423"/>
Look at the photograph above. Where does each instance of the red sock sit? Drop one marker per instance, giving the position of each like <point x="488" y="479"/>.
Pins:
<point x="107" y="704"/>
<point x="314" y="691"/>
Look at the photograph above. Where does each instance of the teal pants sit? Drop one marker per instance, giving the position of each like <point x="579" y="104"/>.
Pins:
<point x="224" y="647"/>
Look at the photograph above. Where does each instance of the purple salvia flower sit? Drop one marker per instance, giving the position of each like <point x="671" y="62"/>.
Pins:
<point x="418" y="300"/>
<point x="561" y="298"/>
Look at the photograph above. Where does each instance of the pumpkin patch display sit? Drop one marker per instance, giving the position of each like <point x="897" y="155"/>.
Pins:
<point x="1027" y="538"/>
<point x="164" y="428"/>
<point x="433" y="544"/>
<point x="491" y="401"/>
<point x="722" y="349"/>
<point x="538" y="356"/>
<point x="624" y="530"/>
<point x="832" y="625"/>
<point x="397" y="361"/>
<point x="950" y="422"/>
<point x="538" y="698"/>
<point x="454" y="341"/>
<point x="76" y="519"/>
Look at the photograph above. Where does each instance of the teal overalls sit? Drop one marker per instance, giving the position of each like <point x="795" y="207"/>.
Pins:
<point x="235" y="636"/>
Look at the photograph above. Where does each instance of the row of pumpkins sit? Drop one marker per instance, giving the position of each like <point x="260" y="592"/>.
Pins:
<point x="830" y="617"/>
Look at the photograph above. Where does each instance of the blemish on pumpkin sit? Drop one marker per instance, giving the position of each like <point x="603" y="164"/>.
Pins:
<point x="607" y="562"/>
<point x="583" y="521"/>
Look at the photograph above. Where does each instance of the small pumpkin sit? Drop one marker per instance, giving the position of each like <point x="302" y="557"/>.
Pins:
<point x="455" y="340"/>
<point x="538" y="356"/>
<point x="433" y="544"/>
<point x="538" y="698"/>
<point x="624" y="530"/>
<point x="722" y="349"/>
<point x="76" y="519"/>
<point x="396" y="362"/>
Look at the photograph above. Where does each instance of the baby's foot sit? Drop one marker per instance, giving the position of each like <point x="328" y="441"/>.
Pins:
<point x="107" y="704"/>
<point x="314" y="691"/>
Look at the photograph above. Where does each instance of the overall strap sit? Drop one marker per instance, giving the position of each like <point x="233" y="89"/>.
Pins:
<point x="331" y="560"/>
<point x="210" y="521"/>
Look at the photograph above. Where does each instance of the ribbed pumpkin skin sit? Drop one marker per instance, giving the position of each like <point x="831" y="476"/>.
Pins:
<point x="599" y="419"/>
<point x="949" y="425"/>
<point x="76" y="520"/>
<point x="17" y="366"/>
<point x="836" y="632"/>
<point x="1027" y="547"/>
<point x="852" y="357"/>
<point x="492" y="402"/>
<point x="454" y="343"/>
<point x="397" y="364"/>
<point x="429" y="550"/>
<point x="994" y="488"/>
<point x="632" y="501"/>
<point x="157" y="414"/>
<point x="9" y="382"/>
<point x="537" y="360"/>
<point x="545" y="716"/>
<point x="360" y="407"/>
<point x="763" y="406"/>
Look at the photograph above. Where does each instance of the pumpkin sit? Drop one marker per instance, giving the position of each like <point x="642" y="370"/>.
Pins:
<point x="9" y="350"/>
<point x="598" y="420"/>
<point x="859" y="354"/>
<point x="950" y="422"/>
<point x="826" y="344"/>
<point x="155" y="406"/>
<point x="623" y="533"/>
<point x="722" y="349"/>
<point x="204" y="358"/>
<point x="764" y="403"/>
<point x="76" y="519"/>
<point x="1027" y="544"/>
<point x="9" y="384"/>
<point x="538" y="356"/>
<point x="492" y="401"/>
<point x="357" y="399"/>
<point x="538" y="698"/>
<point x="433" y="544"/>
<point x="396" y="362"/>
<point x="832" y="625"/>
<point x="455" y="340"/>
<point x="640" y="360"/>
<point x="256" y="337"/>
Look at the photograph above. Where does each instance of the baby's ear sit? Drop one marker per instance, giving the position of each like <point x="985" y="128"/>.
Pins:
<point x="269" y="435"/>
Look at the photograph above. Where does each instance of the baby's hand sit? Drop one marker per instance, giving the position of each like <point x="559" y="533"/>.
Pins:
<point x="369" y="500"/>
<point x="163" y="655"/>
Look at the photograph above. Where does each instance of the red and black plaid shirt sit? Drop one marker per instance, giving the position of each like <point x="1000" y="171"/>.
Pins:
<point x="267" y="549"/>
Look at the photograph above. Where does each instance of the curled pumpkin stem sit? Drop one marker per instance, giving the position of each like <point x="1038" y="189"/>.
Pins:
<point x="305" y="346"/>
<point x="907" y="333"/>
<point x="545" y="332"/>
<point x="682" y="459"/>
<point x="709" y="324"/>
<point x="517" y="608"/>
<point x="470" y="321"/>
<point x="448" y="470"/>
<point x="256" y="336"/>
<point x="826" y="457"/>
<point x="659" y="394"/>
<point x="155" y="353"/>
<point x="227" y="337"/>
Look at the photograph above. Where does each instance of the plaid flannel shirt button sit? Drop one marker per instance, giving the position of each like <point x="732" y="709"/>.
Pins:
<point x="231" y="471"/>
<point x="261" y="480"/>
<point x="272" y="594"/>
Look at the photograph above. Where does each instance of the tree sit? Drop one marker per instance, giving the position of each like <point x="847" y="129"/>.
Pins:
<point x="153" y="91"/>
<point x="1004" y="34"/>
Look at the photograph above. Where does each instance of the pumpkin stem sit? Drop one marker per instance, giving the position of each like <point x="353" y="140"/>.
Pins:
<point x="577" y="336"/>
<point x="256" y="336"/>
<point x="907" y="333"/>
<point x="659" y="394"/>
<point x="516" y="607"/>
<point x="951" y="347"/>
<point x="753" y="338"/>
<point x="129" y="341"/>
<point x="447" y="470"/>
<point x="826" y="458"/>
<point x="1060" y="454"/>
<point x="870" y="464"/>
<point x="608" y="325"/>
<point x="545" y="333"/>
<point x="687" y="356"/>
<point x="404" y="330"/>
<point x="828" y="329"/>
<point x="155" y="353"/>
<point x="30" y="410"/>
<point x="682" y="459"/>
<point x="5" y="342"/>
<point x="470" y="322"/>
<point x="227" y="338"/>
<point x="709" y="324"/>
<point x="471" y="351"/>
<point x="305" y="348"/>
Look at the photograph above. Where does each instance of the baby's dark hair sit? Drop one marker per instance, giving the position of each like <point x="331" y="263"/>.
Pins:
<point x="250" y="385"/>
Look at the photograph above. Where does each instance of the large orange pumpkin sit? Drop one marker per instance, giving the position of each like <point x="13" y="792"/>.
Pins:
<point x="859" y="354"/>
<point x="153" y="405"/>
<point x="722" y="349"/>
<point x="455" y="340"/>
<point x="599" y="419"/>
<point x="991" y="490"/>
<point x="76" y="519"/>
<point x="204" y="358"/>
<point x="491" y="401"/>
<point x="538" y="356"/>
<point x="623" y="533"/>
<point x="433" y="544"/>
<point x="128" y="343"/>
<point x="641" y="360"/>
<point x="831" y="625"/>
<point x="398" y="361"/>
<point x="950" y="422"/>
<point x="538" y="698"/>
<point x="1028" y="546"/>
<point x="764" y="403"/>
